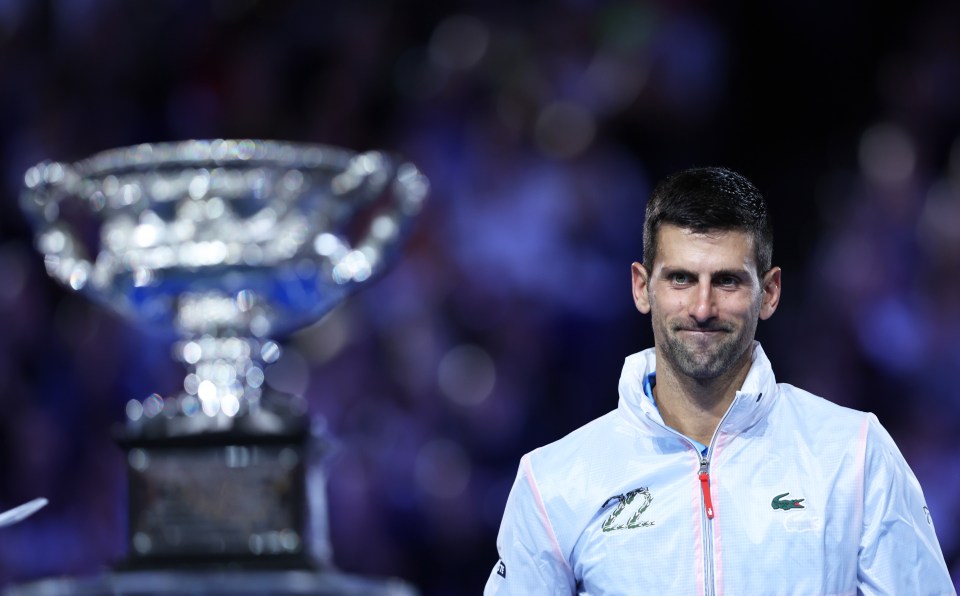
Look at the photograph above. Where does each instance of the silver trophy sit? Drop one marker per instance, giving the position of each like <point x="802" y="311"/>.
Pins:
<point x="231" y="244"/>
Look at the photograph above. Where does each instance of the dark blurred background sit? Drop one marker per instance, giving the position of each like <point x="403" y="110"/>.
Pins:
<point x="542" y="126"/>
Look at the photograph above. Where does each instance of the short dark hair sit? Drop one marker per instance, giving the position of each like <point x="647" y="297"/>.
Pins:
<point x="709" y="200"/>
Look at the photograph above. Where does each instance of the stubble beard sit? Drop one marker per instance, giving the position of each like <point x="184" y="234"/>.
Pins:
<point x="703" y="364"/>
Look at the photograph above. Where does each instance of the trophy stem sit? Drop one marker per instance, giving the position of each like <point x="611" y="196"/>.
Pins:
<point x="225" y="375"/>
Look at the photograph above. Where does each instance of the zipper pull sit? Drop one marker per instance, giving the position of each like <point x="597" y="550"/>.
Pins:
<point x="705" y="486"/>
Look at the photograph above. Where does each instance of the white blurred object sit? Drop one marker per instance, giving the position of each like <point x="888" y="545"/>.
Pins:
<point x="8" y="518"/>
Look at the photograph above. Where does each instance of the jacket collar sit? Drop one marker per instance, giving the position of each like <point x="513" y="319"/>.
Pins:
<point x="750" y="404"/>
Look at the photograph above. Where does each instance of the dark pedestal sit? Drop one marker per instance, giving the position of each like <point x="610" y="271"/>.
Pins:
<point x="218" y="499"/>
<point x="223" y="514"/>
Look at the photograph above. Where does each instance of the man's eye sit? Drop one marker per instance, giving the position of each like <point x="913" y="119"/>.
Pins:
<point x="728" y="281"/>
<point x="679" y="278"/>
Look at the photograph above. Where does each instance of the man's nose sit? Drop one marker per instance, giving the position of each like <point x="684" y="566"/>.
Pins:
<point x="704" y="306"/>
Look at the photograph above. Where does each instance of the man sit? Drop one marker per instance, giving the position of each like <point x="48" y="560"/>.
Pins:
<point x="710" y="477"/>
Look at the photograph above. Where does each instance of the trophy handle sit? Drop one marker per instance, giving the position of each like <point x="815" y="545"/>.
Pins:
<point x="409" y="188"/>
<point x="383" y="234"/>
<point x="66" y="257"/>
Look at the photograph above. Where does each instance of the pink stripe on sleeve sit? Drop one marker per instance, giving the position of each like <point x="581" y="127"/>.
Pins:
<point x="542" y="510"/>
<point x="861" y="470"/>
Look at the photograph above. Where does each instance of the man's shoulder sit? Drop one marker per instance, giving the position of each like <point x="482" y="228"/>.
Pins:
<point x="585" y="450"/>
<point x="591" y="459"/>
<point x="805" y="406"/>
<point x="581" y="441"/>
<point x="813" y="401"/>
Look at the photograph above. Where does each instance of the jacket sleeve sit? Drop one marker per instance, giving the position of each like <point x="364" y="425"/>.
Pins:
<point x="899" y="552"/>
<point x="531" y="560"/>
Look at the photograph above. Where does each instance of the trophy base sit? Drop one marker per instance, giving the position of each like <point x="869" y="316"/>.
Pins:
<point x="220" y="514"/>
<point x="214" y="583"/>
<point x="230" y="500"/>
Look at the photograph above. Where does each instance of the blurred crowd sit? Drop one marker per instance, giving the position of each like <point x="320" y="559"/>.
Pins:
<point x="542" y="127"/>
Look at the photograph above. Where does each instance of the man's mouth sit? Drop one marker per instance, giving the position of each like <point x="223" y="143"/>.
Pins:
<point x="704" y="330"/>
<point x="698" y="336"/>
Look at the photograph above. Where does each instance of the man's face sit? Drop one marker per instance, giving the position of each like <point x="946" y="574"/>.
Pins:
<point x="704" y="297"/>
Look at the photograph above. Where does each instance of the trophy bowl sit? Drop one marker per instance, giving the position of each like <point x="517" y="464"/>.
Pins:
<point x="226" y="245"/>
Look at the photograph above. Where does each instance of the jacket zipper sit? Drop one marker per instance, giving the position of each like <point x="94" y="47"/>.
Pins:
<point x="706" y="523"/>
<point x="707" y="519"/>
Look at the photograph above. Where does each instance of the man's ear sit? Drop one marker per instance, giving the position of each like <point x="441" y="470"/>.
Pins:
<point x="641" y="289"/>
<point x="770" y="288"/>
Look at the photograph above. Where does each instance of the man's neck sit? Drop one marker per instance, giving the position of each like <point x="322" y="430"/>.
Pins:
<point x="695" y="407"/>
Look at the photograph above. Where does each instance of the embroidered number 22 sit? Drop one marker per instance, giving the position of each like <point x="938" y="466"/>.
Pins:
<point x="629" y="502"/>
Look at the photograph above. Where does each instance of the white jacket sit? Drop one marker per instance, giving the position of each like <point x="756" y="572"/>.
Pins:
<point x="808" y="497"/>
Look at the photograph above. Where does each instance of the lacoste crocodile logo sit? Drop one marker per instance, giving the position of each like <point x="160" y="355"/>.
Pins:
<point x="785" y="504"/>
